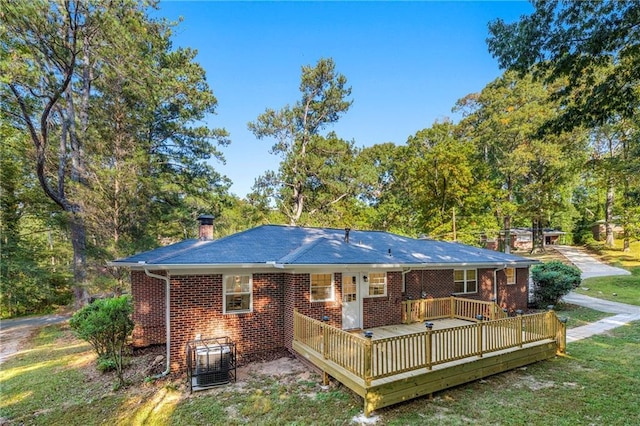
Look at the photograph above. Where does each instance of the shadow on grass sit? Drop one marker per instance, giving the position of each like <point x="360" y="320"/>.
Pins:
<point x="55" y="381"/>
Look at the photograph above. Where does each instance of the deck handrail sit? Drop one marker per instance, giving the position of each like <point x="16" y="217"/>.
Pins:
<point x="372" y="359"/>
<point x="348" y="350"/>
<point x="449" y="307"/>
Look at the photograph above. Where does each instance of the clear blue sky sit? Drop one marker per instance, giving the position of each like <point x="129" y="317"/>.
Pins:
<point x="407" y="63"/>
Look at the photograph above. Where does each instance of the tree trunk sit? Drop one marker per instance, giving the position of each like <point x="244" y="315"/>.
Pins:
<point x="79" y="244"/>
<point x="537" y="236"/>
<point x="507" y="234"/>
<point x="609" y="213"/>
<point x="298" y="204"/>
<point x="626" y="198"/>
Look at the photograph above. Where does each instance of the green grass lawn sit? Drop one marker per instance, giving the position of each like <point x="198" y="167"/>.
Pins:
<point x="622" y="288"/>
<point x="625" y="288"/>
<point x="55" y="382"/>
<point x="616" y="257"/>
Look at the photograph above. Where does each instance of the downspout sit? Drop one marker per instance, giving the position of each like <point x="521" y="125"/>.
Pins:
<point x="495" y="282"/>
<point x="167" y="280"/>
<point x="404" y="279"/>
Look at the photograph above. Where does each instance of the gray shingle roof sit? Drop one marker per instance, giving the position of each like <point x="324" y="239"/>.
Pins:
<point x="290" y="246"/>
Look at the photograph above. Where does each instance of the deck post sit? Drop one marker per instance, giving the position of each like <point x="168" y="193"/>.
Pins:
<point x="325" y="378"/>
<point x="551" y="326"/>
<point x="453" y="307"/>
<point x="325" y="341"/>
<point x="520" y="326"/>
<point x="561" y="336"/>
<point x="480" y="325"/>
<point x="429" y="338"/>
<point x="368" y="361"/>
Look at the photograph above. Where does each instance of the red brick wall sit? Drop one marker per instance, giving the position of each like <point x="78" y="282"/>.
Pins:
<point x="433" y="282"/>
<point x="380" y="311"/>
<point x="196" y="308"/>
<point x="439" y="283"/>
<point x="149" y="309"/>
<point x="485" y="286"/>
<point x="297" y="288"/>
<point x="513" y="296"/>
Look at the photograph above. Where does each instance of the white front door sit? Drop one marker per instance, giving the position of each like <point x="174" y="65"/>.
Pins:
<point x="351" y="302"/>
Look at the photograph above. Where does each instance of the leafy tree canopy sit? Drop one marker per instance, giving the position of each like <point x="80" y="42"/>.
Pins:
<point x="315" y="170"/>
<point x="594" y="44"/>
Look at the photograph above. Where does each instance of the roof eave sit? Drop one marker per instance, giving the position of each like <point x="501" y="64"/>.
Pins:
<point x="443" y="265"/>
<point x="272" y="264"/>
<point x="187" y="266"/>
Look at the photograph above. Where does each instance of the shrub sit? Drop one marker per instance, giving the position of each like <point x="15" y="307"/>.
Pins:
<point x="105" y="364"/>
<point x="552" y="280"/>
<point x="106" y="324"/>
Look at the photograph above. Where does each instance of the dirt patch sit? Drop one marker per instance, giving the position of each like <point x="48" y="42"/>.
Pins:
<point x="280" y="367"/>
<point x="533" y="384"/>
<point x="149" y="361"/>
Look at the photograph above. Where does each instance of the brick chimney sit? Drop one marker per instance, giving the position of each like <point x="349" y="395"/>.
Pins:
<point x="205" y="232"/>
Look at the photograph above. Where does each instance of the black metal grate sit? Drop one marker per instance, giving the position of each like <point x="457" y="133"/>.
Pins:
<point x="210" y="362"/>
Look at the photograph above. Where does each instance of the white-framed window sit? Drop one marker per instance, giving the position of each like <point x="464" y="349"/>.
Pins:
<point x="511" y="275"/>
<point x="322" y="287"/>
<point x="237" y="294"/>
<point x="376" y="283"/>
<point x="465" y="281"/>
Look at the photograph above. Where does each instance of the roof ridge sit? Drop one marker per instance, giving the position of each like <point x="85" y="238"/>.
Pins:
<point x="195" y="246"/>
<point x="294" y="254"/>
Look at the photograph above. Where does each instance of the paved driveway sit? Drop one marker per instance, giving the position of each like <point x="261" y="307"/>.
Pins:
<point x="589" y="265"/>
<point x="14" y="332"/>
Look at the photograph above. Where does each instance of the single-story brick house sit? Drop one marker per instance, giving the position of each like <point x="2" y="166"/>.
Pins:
<point x="247" y="285"/>
<point x="522" y="239"/>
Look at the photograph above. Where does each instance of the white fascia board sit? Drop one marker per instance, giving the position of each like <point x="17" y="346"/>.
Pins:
<point x="402" y="266"/>
<point x="354" y="267"/>
<point x="270" y="266"/>
<point x="192" y="267"/>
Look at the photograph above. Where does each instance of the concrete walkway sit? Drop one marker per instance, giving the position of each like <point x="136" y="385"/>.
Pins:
<point x="590" y="267"/>
<point x="624" y="315"/>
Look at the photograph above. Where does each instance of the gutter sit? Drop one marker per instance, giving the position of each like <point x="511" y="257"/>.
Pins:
<point x="280" y="265"/>
<point x="167" y="280"/>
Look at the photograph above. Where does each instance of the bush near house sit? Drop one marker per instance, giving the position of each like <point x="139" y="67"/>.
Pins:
<point x="552" y="280"/>
<point x="106" y="324"/>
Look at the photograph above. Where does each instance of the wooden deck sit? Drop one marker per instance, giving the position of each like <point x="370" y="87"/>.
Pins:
<point x="402" y="362"/>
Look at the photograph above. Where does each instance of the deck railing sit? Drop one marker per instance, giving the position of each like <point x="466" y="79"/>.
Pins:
<point x="449" y="307"/>
<point x="348" y="350"/>
<point x="372" y="359"/>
